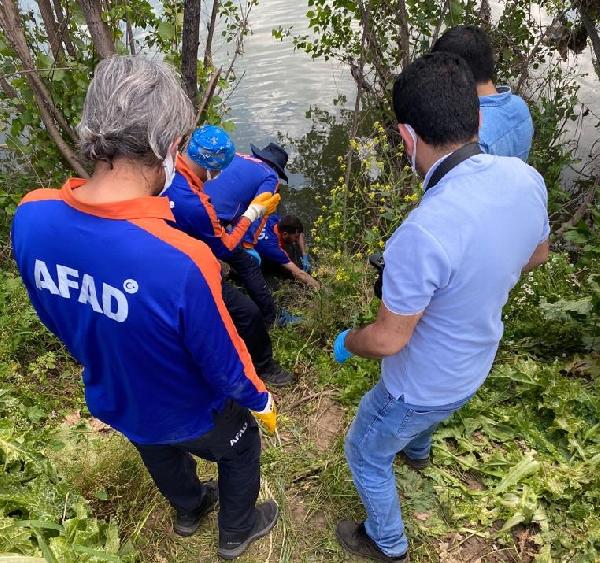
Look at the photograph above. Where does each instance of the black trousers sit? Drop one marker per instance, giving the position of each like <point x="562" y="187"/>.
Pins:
<point x="234" y="444"/>
<point x="250" y="276"/>
<point x="250" y="326"/>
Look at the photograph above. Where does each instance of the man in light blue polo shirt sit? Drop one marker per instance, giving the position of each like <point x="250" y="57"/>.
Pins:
<point x="506" y="125"/>
<point x="448" y="271"/>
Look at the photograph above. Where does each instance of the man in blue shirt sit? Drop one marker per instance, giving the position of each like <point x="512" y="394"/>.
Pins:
<point x="138" y="303"/>
<point x="448" y="271"/>
<point x="506" y="126"/>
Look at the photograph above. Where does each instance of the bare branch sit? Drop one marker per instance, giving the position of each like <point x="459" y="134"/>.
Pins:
<point x="403" y="33"/>
<point x="51" y="28"/>
<point x="208" y="94"/>
<point x="580" y="212"/>
<point x="355" y="116"/>
<point x="7" y="88"/>
<point x="239" y="44"/>
<point x="101" y="35"/>
<point x="438" y="27"/>
<point x="11" y="23"/>
<point x="190" y="40"/>
<point x="211" y="32"/>
<point x="63" y="29"/>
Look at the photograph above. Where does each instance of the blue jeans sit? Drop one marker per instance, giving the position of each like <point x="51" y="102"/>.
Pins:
<point x="383" y="427"/>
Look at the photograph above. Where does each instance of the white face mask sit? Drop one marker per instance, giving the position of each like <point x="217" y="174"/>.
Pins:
<point x="413" y="157"/>
<point x="169" y="167"/>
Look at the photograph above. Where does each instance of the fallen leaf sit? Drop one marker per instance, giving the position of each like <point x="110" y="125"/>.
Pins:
<point x="422" y="516"/>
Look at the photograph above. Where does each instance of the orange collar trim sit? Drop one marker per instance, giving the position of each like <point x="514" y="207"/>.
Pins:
<point x="192" y="179"/>
<point x="150" y="207"/>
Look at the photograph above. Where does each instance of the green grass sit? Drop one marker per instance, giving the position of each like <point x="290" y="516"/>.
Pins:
<point x="516" y="474"/>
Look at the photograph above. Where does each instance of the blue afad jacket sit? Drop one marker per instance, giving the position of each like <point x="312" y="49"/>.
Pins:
<point x="139" y="304"/>
<point x="269" y="243"/>
<point x="237" y="185"/>
<point x="195" y="214"/>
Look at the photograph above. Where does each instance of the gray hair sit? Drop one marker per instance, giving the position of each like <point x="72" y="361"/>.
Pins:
<point x="134" y="108"/>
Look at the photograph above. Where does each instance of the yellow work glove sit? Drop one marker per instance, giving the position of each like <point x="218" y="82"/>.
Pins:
<point x="263" y="204"/>
<point x="268" y="416"/>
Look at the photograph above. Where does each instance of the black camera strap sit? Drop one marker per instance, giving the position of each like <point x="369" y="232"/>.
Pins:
<point x="465" y="152"/>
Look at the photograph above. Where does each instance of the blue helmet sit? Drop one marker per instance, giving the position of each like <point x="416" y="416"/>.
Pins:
<point x="211" y="147"/>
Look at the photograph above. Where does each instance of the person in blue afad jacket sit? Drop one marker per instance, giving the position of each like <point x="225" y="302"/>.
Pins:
<point x="449" y="268"/>
<point x="209" y="151"/>
<point x="506" y="125"/>
<point x="138" y="303"/>
<point x="245" y="178"/>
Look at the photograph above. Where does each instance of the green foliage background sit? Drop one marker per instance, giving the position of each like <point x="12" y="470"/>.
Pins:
<point x="522" y="456"/>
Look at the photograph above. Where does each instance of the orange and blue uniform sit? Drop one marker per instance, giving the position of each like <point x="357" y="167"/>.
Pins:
<point x="195" y="213"/>
<point x="237" y="185"/>
<point x="139" y="304"/>
<point x="269" y="243"/>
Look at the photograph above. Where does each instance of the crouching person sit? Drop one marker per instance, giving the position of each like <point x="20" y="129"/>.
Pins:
<point x="448" y="271"/>
<point x="139" y="304"/>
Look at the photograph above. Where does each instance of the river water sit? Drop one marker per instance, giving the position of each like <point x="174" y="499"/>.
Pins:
<point x="279" y="84"/>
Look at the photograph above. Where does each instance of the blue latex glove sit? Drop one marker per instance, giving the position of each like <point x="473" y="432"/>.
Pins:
<point x="340" y="353"/>
<point x="306" y="263"/>
<point x="254" y="254"/>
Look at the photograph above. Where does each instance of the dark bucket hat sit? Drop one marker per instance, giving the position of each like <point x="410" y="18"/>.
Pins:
<point x="274" y="155"/>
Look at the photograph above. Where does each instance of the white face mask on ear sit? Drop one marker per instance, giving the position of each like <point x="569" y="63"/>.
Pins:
<point x="413" y="156"/>
<point x="169" y="168"/>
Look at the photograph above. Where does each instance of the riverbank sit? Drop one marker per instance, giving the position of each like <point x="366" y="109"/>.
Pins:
<point x="515" y="476"/>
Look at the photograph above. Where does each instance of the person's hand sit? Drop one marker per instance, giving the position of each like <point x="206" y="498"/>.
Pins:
<point x="340" y="352"/>
<point x="268" y="416"/>
<point x="312" y="282"/>
<point x="263" y="204"/>
<point x="306" y="263"/>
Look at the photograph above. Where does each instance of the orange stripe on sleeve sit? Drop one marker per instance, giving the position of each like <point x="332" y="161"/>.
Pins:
<point x="229" y="240"/>
<point x="211" y="271"/>
<point x="41" y="194"/>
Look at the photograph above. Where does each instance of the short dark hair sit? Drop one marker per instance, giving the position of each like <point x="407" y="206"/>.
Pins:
<point x="472" y="44"/>
<point x="437" y="96"/>
<point x="291" y="224"/>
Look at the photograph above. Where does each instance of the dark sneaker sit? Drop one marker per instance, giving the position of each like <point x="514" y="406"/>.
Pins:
<point x="353" y="538"/>
<point x="276" y="376"/>
<point x="416" y="464"/>
<point x="266" y="518"/>
<point x="186" y="523"/>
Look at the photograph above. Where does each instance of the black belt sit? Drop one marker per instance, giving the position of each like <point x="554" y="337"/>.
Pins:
<point x="465" y="152"/>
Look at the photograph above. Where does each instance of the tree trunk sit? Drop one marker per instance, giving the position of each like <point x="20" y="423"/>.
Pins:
<point x="10" y="21"/>
<point x="101" y="35"/>
<point x="592" y="32"/>
<point x="64" y="28"/>
<point x="51" y="28"/>
<point x="211" y="32"/>
<point x="189" y="49"/>
<point x="130" y="38"/>
<point x="403" y="34"/>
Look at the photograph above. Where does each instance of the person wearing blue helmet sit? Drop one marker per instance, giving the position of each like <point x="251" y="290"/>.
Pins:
<point x="209" y="150"/>
<point x="245" y="178"/>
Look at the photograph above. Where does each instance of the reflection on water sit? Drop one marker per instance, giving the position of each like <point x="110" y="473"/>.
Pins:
<point x="280" y="84"/>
